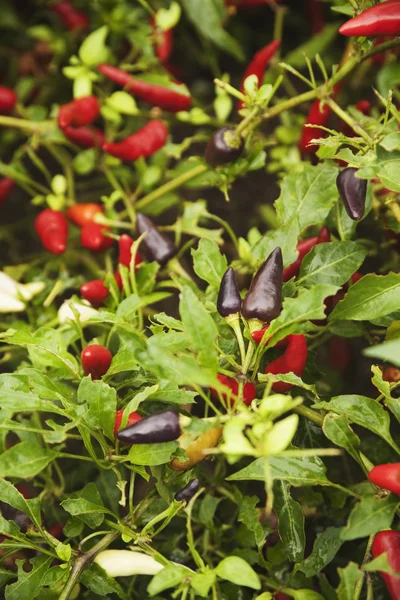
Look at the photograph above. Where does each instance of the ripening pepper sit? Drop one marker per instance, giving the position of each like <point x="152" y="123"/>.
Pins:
<point x="6" y="186"/>
<point x="96" y="360"/>
<point x="389" y="541"/>
<point x="187" y="493"/>
<point x="303" y="248"/>
<point x="145" y="142"/>
<point x="169" y="98"/>
<point x="221" y="149"/>
<point x="52" y="229"/>
<point x="157" y="245"/>
<point x="387" y="477"/>
<point x="124" y="257"/>
<point x="94" y="292"/>
<point x="249" y="391"/>
<point x="263" y="300"/>
<point x="293" y="360"/>
<point x="160" y="427"/>
<point x="134" y="417"/>
<point x="258" y="64"/>
<point x="8" y="99"/>
<point x="229" y="301"/>
<point x="391" y="374"/>
<point x="353" y="192"/>
<point x="196" y="451"/>
<point x="70" y="16"/>
<point x="381" y="19"/>
<point x="84" y="213"/>
<point x="79" y="112"/>
<point x="93" y="238"/>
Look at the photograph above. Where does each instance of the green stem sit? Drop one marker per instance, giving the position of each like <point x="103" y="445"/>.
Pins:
<point x="23" y="123"/>
<point x="342" y="114"/>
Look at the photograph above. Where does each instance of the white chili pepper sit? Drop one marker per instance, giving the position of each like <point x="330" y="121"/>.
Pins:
<point x="125" y="563"/>
<point x="84" y="310"/>
<point x="12" y="293"/>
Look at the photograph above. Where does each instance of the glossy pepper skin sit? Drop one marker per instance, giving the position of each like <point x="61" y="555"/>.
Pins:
<point x="229" y="301"/>
<point x="96" y="360"/>
<point x="93" y="238"/>
<point x="85" y="137"/>
<point x="387" y="477"/>
<point x="187" y="493"/>
<point x="258" y="64"/>
<point x="382" y="19"/>
<point x="8" y="99"/>
<point x="263" y="300"/>
<point x="84" y="213"/>
<point x="94" y="292"/>
<point x="303" y="248"/>
<point x="219" y="150"/>
<point x="70" y="16"/>
<point x="158" y="95"/>
<point x="157" y="246"/>
<point x="389" y="542"/>
<point x="161" y="427"/>
<point x="353" y="192"/>
<point x="6" y="186"/>
<point x="134" y="417"/>
<point x="144" y="142"/>
<point x="52" y="229"/>
<point x="317" y="115"/>
<point x="78" y="113"/>
<point x="196" y="450"/>
<point x="257" y="336"/>
<point x="249" y="390"/>
<point x="124" y="257"/>
<point x="293" y="360"/>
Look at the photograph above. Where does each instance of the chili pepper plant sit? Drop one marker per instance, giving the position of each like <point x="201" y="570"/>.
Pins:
<point x="200" y="299"/>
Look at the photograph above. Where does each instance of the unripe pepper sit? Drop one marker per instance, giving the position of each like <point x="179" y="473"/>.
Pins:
<point x="258" y="64"/>
<point x="125" y="244"/>
<point x="229" y="301"/>
<point x="8" y="99"/>
<point x="134" y="417"/>
<point x="70" y="16"/>
<point x="52" y="229"/>
<point x="196" y="451"/>
<point x="303" y="248"/>
<point x="389" y="542"/>
<point x="78" y="113"/>
<point x="220" y="148"/>
<point x="126" y="563"/>
<point x="353" y="192"/>
<point x="94" y="292"/>
<point x="293" y="360"/>
<point x="167" y="98"/>
<point x="249" y="390"/>
<point x="157" y="245"/>
<point x="144" y="142"/>
<point x="160" y="427"/>
<point x="92" y="237"/>
<point x="381" y="19"/>
<point x="96" y="360"/>
<point x="6" y="186"/>
<point x="387" y="477"/>
<point x="187" y="493"/>
<point x="86" y="137"/>
<point x="263" y="300"/>
<point x="84" y="213"/>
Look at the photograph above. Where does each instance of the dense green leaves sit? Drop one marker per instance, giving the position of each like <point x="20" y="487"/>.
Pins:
<point x="25" y="460"/>
<point x="369" y="516"/>
<point x="305" y="470"/>
<point x="331" y="263"/>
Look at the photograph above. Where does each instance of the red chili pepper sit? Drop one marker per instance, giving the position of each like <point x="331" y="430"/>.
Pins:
<point x="86" y="137"/>
<point x="56" y="530"/>
<point x="257" y="336"/>
<point x="293" y="360"/>
<point x="153" y="93"/>
<point x="70" y="16"/>
<point x="381" y="19"/>
<point x="249" y="391"/>
<point x="163" y="41"/>
<point x="339" y="354"/>
<point x="6" y="186"/>
<point x="134" y="417"/>
<point x="144" y="142"/>
<point x="96" y="360"/>
<point x="282" y="596"/>
<point x="84" y="213"/>
<point x="125" y="243"/>
<point x="316" y="116"/>
<point x="8" y="99"/>
<point x="92" y="237"/>
<point x="389" y="542"/>
<point x="315" y="15"/>
<point x="258" y="64"/>
<point x="52" y="229"/>
<point x="364" y="106"/>
<point x="303" y="248"/>
<point x="79" y="112"/>
<point x="94" y="292"/>
<point x="387" y="477"/>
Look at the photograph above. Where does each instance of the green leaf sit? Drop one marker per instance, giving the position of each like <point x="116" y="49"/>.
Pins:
<point x="97" y="580"/>
<point x="28" y="585"/>
<point x="167" y="578"/>
<point x="371" y="297"/>
<point x="285" y="237"/>
<point x="325" y="549"/>
<point x="93" y="50"/>
<point x="208" y="262"/>
<point x="305" y="470"/>
<point x="369" y="516"/>
<point x="309" y="194"/>
<point x="25" y="460"/>
<point x="202" y="582"/>
<point x="15" y="394"/>
<point x="331" y="263"/>
<point x="87" y="498"/>
<point x="303" y="594"/>
<point x="248" y="514"/>
<point x="315" y="45"/>
<point x="209" y="21"/>
<point x="388" y="77"/>
<point x="151" y="454"/>
<point x="102" y="402"/>
<point x="388" y="351"/>
<point x="291" y="522"/>
<point x="182" y="370"/>
<point x="9" y="494"/>
<point x="238" y="571"/>
<point x="337" y="430"/>
<point x="349" y="578"/>
<point x="81" y="506"/>
<point x="200" y="327"/>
